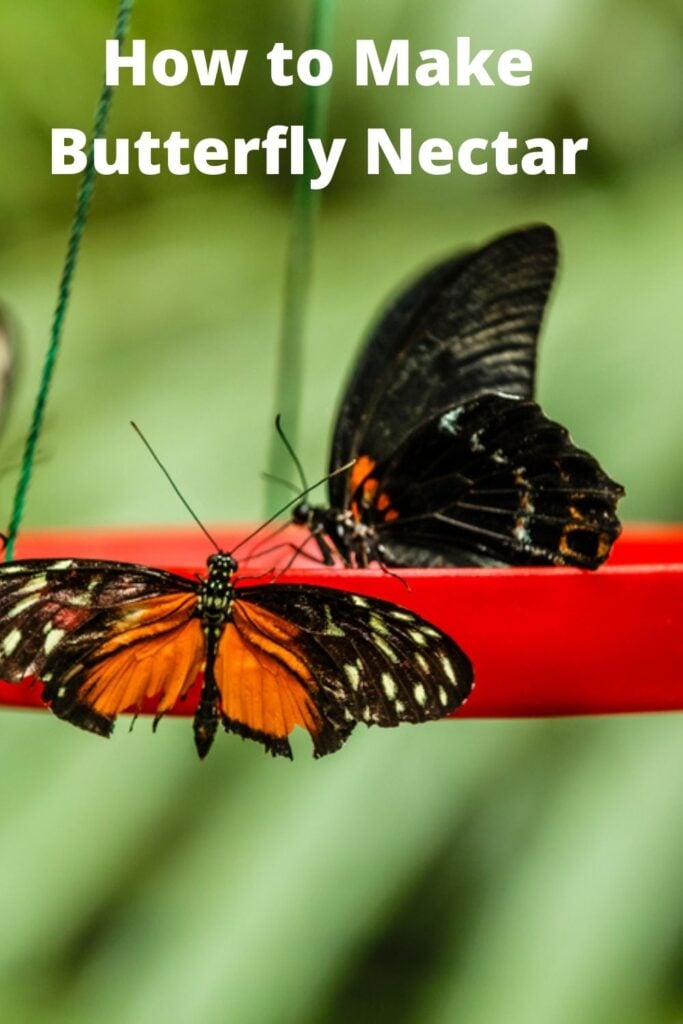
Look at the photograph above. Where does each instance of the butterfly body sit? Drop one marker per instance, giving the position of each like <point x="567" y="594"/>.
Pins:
<point x="452" y="462"/>
<point x="108" y="637"/>
<point x="214" y="604"/>
<point x="336" y="531"/>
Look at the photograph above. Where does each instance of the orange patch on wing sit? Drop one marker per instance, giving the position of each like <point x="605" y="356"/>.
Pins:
<point x="262" y="679"/>
<point x="362" y="467"/>
<point x="370" y="488"/>
<point x="157" y="651"/>
<point x="149" y="618"/>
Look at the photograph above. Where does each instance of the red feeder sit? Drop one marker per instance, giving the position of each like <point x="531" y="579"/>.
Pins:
<point x="543" y="641"/>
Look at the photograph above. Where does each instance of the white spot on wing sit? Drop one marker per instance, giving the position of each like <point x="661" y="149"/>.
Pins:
<point x="360" y="601"/>
<point x="52" y="639"/>
<point x="475" y="441"/>
<point x="417" y="637"/>
<point x="21" y="606"/>
<point x="353" y="676"/>
<point x="35" y="583"/>
<point x="331" y="628"/>
<point x="11" y="641"/>
<point x="389" y="685"/>
<point x="420" y="694"/>
<point x="385" y="648"/>
<point x="443" y="697"/>
<point x="377" y="626"/>
<point x="66" y="563"/>
<point x="521" y="532"/>
<point x="422" y="662"/>
<point x="448" y="424"/>
<point x="448" y="668"/>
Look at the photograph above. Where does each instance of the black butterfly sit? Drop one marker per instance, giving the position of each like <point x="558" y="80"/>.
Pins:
<point x="106" y="637"/>
<point x="455" y="464"/>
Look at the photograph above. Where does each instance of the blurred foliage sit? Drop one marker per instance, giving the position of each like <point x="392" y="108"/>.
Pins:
<point x="469" y="872"/>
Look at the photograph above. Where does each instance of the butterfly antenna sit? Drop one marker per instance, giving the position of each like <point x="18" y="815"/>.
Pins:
<point x="295" y="457"/>
<point x="294" y="501"/>
<point x="280" y="480"/>
<point x="171" y="481"/>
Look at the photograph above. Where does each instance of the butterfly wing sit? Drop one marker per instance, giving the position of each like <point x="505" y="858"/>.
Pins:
<point x="468" y="326"/>
<point x="102" y="636"/>
<point x="325" y="659"/>
<point x="490" y="482"/>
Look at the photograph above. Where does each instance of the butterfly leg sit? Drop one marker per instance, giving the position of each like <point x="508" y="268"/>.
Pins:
<point x="295" y="549"/>
<point x="296" y="552"/>
<point x="324" y="547"/>
<point x="379" y="558"/>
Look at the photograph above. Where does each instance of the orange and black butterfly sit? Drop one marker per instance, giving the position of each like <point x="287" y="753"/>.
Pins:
<point x="108" y="637"/>
<point x="451" y="461"/>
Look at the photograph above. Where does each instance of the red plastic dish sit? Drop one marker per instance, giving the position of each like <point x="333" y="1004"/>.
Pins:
<point x="542" y="641"/>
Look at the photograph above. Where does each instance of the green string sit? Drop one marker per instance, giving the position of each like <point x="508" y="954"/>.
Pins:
<point x="299" y="263"/>
<point x="76" y="234"/>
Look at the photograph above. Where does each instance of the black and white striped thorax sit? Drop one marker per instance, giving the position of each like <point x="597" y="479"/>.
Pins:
<point x="216" y="593"/>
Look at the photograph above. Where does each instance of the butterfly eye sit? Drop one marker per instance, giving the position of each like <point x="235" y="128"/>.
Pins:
<point x="302" y="513"/>
<point x="222" y="561"/>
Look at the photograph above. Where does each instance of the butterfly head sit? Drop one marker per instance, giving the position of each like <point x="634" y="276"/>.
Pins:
<point x="316" y="517"/>
<point x="221" y="565"/>
<point x="303" y="514"/>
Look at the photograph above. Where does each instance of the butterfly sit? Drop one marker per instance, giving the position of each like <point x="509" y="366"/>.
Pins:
<point x="453" y="462"/>
<point x="107" y="637"/>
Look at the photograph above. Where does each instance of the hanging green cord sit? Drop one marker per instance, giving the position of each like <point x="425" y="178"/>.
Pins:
<point x="299" y="262"/>
<point x="75" y="236"/>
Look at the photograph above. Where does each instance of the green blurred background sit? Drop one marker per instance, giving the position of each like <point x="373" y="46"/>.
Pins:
<point x="470" y="872"/>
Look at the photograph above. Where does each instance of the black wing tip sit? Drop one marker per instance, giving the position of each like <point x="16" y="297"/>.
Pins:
<point x="274" y="745"/>
<point x="331" y="738"/>
<point x="591" y="527"/>
<point x="83" y="717"/>
<point x="464" y="680"/>
<point x="537" y="235"/>
<point x="466" y="683"/>
<point x="588" y="547"/>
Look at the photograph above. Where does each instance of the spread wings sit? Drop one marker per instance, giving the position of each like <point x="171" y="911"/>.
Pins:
<point x="346" y="658"/>
<point x="490" y="482"/>
<point x="103" y="637"/>
<point x="108" y="637"/>
<point x="468" y="326"/>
